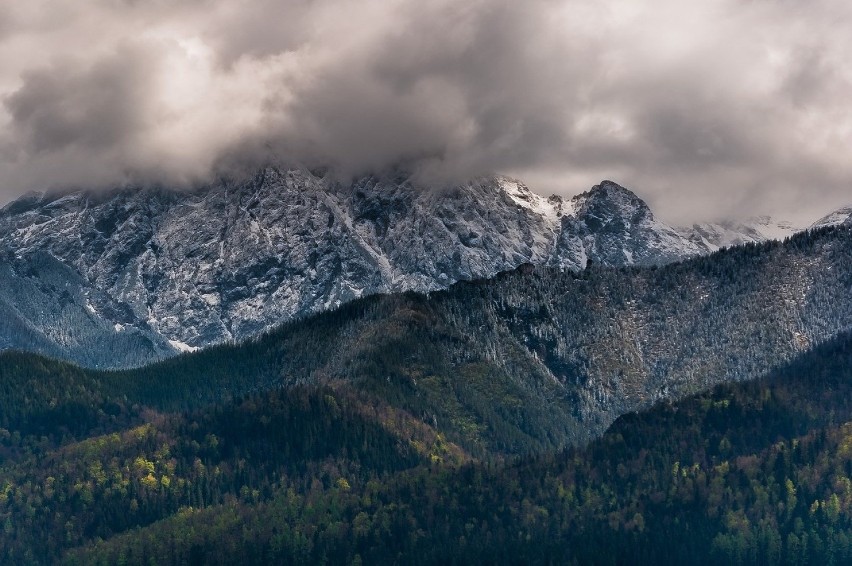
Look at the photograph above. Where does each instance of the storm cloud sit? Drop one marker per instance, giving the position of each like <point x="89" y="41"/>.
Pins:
<point x="709" y="108"/>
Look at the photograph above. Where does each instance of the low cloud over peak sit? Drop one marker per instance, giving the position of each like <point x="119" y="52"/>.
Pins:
<point x="709" y="108"/>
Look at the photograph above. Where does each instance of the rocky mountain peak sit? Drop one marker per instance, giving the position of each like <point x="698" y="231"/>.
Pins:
<point x="608" y="202"/>
<point x="187" y="269"/>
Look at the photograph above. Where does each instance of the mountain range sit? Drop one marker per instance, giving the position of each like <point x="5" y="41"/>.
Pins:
<point x="123" y="278"/>
<point x="539" y="414"/>
<point x="387" y="373"/>
<point x="535" y="358"/>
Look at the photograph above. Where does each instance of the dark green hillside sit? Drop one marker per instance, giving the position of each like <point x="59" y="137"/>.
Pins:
<point x="581" y="348"/>
<point x="304" y="440"/>
<point x="339" y="438"/>
<point x="754" y="473"/>
<point x="531" y="360"/>
<point x="388" y="348"/>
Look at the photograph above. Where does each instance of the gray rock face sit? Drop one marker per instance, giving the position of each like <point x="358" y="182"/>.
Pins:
<point x="46" y="307"/>
<point x="179" y="271"/>
<point x="612" y="226"/>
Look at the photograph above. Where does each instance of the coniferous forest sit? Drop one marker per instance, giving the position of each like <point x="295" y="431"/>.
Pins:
<point x="425" y="283"/>
<point x="378" y="434"/>
<point x="757" y="472"/>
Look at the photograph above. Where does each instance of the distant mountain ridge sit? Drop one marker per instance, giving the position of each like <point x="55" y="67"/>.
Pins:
<point x="836" y="218"/>
<point x="158" y="272"/>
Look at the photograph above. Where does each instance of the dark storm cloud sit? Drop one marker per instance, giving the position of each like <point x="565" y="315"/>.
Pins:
<point x="718" y="106"/>
<point x="97" y="106"/>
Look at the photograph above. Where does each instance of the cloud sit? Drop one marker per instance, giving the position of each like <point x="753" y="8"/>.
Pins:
<point x="98" y="106"/>
<point x="710" y="108"/>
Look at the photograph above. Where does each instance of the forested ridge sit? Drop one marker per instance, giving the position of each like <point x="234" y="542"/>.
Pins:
<point x="549" y="358"/>
<point x="466" y="426"/>
<point x="750" y="472"/>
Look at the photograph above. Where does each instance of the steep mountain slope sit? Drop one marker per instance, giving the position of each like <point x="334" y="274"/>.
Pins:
<point x="536" y="358"/>
<point x="226" y="262"/>
<point x="612" y="226"/>
<point x="45" y="306"/>
<point x="606" y="342"/>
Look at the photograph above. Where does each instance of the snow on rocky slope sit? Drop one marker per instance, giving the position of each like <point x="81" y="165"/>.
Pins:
<point x="226" y="262"/>
<point x="840" y="216"/>
<point x="714" y="236"/>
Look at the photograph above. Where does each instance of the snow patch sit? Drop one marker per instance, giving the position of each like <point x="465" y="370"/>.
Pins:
<point x="550" y="209"/>
<point x="714" y="236"/>
<point x="772" y="229"/>
<point x="841" y="216"/>
<point x="181" y="347"/>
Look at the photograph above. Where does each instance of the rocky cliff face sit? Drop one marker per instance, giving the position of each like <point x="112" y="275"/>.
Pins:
<point x="178" y="271"/>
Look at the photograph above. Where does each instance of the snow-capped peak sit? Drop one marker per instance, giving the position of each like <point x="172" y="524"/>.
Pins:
<point x="226" y="262"/>
<point x="551" y="209"/>
<point x="839" y="216"/>
<point x="612" y="198"/>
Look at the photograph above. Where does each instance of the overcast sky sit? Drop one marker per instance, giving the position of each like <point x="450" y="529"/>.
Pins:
<point x="708" y="108"/>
